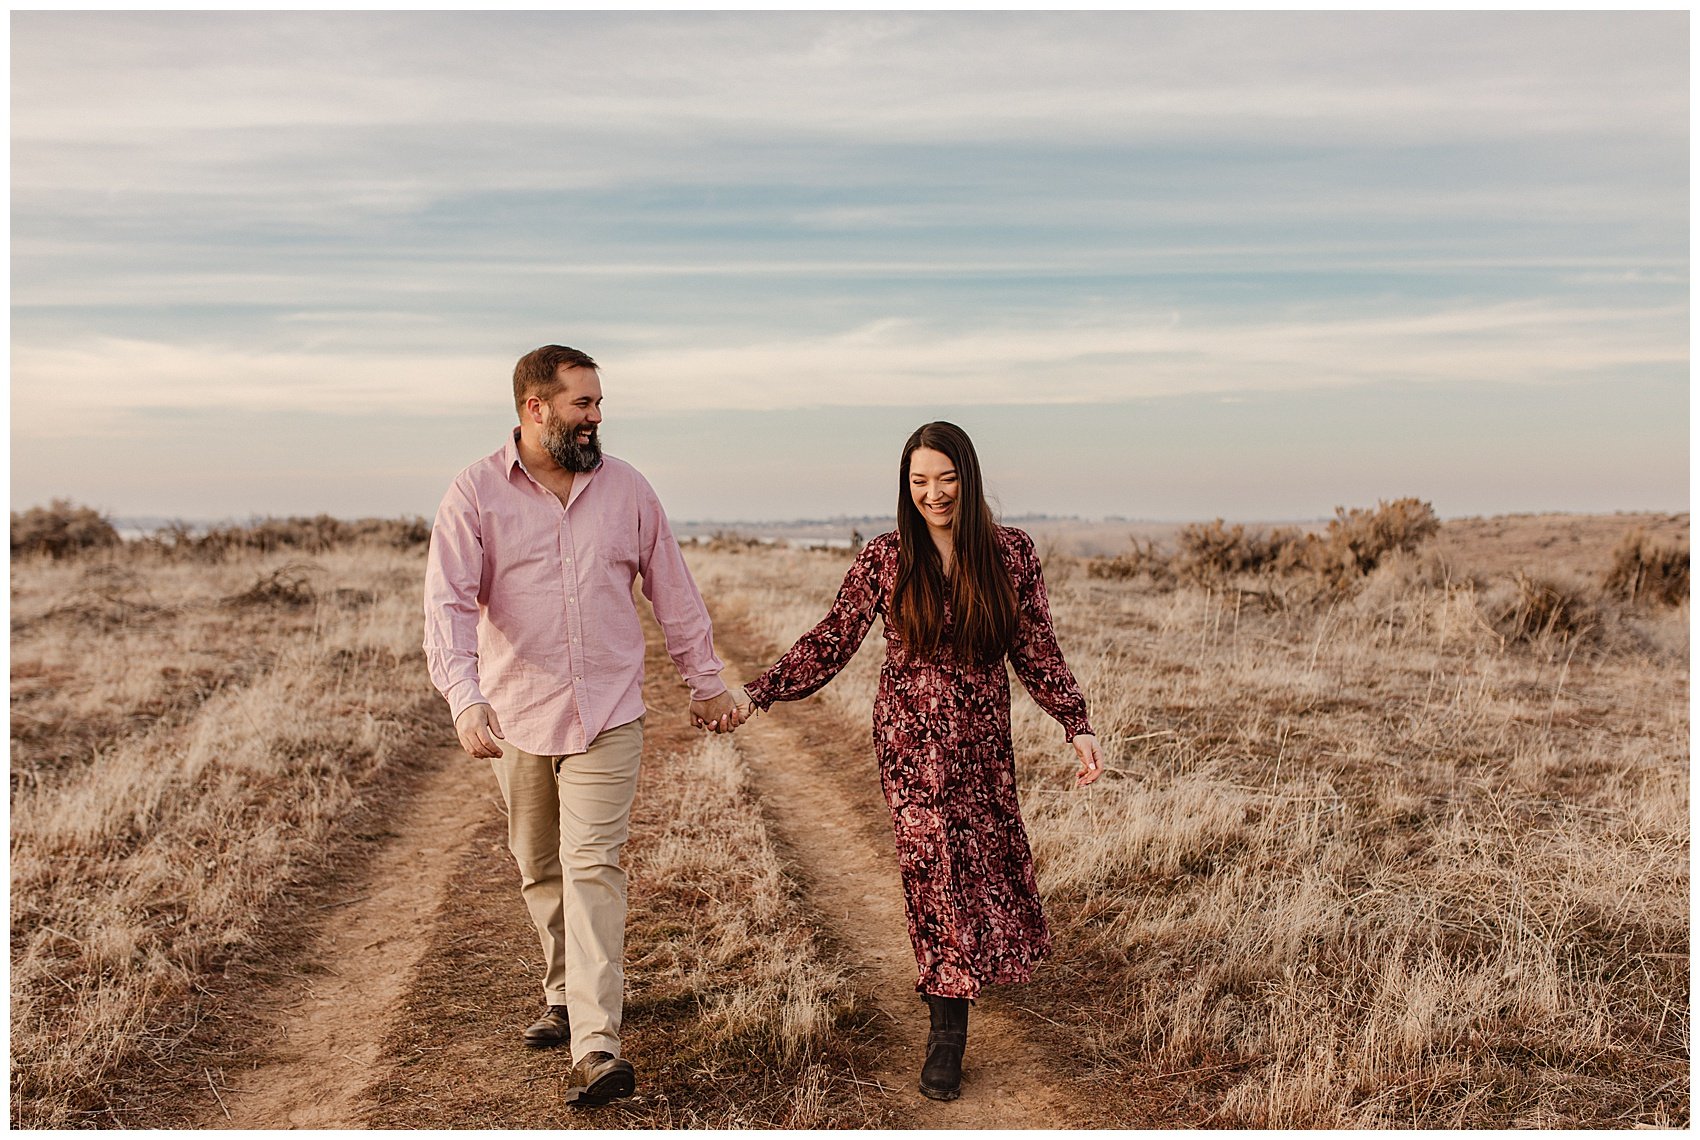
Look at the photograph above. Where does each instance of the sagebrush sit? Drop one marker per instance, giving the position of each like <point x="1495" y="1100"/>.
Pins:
<point x="1643" y="570"/>
<point x="62" y="528"/>
<point x="1353" y="543"/>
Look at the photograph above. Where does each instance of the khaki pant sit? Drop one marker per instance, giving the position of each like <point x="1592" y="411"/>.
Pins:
<point x="567" y="821"/>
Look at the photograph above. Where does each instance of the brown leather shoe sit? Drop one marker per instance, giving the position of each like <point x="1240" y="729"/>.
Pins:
<point x="550" y="1029"/>
<point x="604" y="1077"/>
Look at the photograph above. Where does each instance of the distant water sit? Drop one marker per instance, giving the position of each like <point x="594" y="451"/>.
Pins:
<point x="805" y="543"/>
<point x="134" y="528"/>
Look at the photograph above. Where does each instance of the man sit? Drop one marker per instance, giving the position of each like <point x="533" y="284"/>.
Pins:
<point x="532" y="636"/>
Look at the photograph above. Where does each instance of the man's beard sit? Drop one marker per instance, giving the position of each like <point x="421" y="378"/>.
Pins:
<point x="565" y="449"/>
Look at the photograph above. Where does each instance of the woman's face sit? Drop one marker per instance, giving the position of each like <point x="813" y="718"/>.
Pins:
<point x="933" y="486"/>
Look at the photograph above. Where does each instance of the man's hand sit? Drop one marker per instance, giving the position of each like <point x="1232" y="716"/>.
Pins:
<point x="1091" y="760"/>
<point x="717" y="714"/>
<point x="479" y="731"/>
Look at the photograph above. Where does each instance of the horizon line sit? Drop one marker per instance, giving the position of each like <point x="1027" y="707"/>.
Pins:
<point x="154" y="521"/>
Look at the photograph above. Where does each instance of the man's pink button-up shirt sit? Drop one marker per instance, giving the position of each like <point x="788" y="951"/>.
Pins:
<point x="529" y="608"/>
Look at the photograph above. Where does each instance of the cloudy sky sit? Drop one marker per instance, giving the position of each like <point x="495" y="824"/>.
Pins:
<point x="1167" y="266"/>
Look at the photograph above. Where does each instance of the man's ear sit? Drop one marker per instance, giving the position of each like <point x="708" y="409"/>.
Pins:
<point x="534" y="409"/>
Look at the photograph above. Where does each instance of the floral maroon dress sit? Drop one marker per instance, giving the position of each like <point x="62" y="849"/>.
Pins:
<point x="941" y="733"/>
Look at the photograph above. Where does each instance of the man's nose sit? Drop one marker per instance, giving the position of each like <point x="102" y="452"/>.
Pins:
<point x="595" y="416"/>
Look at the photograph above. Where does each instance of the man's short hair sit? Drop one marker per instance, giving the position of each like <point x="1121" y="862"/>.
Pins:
<point x="535" y="374"/>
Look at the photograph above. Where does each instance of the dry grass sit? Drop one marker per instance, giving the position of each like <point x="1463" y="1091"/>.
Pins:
<point x="186" y="741"/>
<point x="195" y="731"/>
<point x="721" y="938"/>
<point x="1415" y="857"/>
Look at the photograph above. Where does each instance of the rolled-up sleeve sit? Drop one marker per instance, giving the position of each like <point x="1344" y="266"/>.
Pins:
<point x="454" y="569"/>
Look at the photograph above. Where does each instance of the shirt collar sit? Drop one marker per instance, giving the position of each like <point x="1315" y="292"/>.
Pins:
<point x="510" y="456"/>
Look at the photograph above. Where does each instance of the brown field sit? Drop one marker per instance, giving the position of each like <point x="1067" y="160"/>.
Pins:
<point x="190" y="740"/>
<point x="1413" y="853"/>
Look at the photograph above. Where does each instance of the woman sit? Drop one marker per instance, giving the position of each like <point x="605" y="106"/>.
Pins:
<point x="959" y="594"/>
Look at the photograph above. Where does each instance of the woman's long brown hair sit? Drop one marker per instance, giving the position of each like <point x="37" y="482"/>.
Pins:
<point x="982" y="601"/>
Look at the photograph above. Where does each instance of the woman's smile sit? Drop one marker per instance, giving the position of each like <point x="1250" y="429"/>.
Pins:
<point x="933" y="486"/>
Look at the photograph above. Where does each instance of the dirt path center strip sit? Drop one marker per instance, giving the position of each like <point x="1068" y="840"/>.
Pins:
<point x="330" y="1025"/>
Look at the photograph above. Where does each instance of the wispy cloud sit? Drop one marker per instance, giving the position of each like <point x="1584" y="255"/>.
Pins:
<point x="854" y="74"/>
<point x="890" y="362"/>
<point x="388" y="111"/>
<point x="352" y="213"/>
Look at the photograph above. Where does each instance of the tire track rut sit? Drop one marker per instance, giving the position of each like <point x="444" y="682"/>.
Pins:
<point x="329" y="1023"/>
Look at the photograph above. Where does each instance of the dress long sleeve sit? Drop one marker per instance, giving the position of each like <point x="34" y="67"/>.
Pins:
<point x="820" y="653"/>
<point x="1036" y="657"/>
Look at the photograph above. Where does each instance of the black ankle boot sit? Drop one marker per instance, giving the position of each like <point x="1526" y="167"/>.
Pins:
<point x="941" y="1076"/>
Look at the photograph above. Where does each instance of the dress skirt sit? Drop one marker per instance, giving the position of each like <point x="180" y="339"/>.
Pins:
<point x="947" y="768"/>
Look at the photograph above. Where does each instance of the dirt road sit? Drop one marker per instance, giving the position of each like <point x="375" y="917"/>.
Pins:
<point x="408" y="1001"/>
<point x="360" y="964"/>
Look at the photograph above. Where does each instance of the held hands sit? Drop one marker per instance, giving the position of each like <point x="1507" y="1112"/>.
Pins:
<point x="723" y="713"/>
<point x="1091" y="760"/>
<point x="479" y="731"/>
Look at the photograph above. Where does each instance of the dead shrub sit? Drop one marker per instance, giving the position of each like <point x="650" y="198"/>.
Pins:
<point x="1059" y="565"/>
<point x="733" y="541"/>
<point x="1644" y="571"/>
<point x="1404" y="574"/>
<point x="1543" y="608"/>
<point x="1358" y="539"/>
<point x="309" y="535"/>
<point x="61" y="529"/>
<point x="173" y="538"/>
<point x="401" y="533"/>
<point x="1336" y="561"/>
<point x="313" y="535"/>
<point x="1209" y="552"/>
<point x="287" y="586"/>
<point x="1142" y="558"/>
<point x="97" y="609"/>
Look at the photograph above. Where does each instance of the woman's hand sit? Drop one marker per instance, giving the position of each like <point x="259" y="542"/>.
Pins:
<point x="743" y="708"/>
<point x="724" y="713"/>
<point x="1091" y="760"/>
